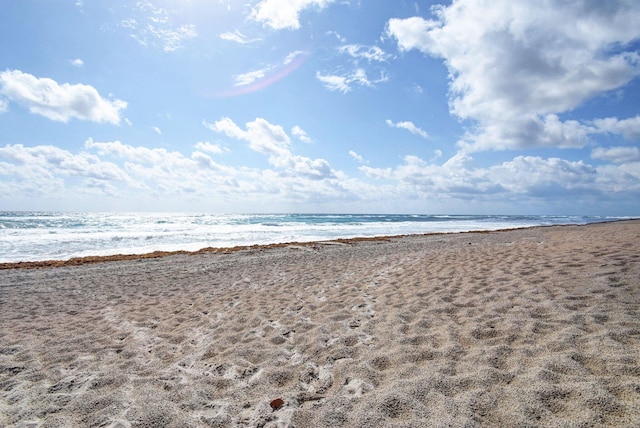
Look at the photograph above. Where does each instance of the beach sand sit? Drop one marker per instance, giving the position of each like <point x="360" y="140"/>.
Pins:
<point x="530" y="327"/>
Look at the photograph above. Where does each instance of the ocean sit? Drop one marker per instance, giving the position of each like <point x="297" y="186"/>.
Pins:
<point x="37" y="236"/>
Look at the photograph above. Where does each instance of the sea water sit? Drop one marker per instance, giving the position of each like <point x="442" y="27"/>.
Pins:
<point x="36" y="236"/>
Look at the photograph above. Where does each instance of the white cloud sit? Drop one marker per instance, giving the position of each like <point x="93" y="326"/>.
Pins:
<point x="545" y="178"/>
<point x="628" y="128"/>
<point x="345" y="83"/>
<point x="523" y="179"/>
<point x="516" y="65"/>
<point x="531" y="130"/>
<point x="346" y="80"/>
<point x="315" y="169"/>
<point x="412" y="33"/>
<point x="250" y="77"/>
<point x="204" y="161"/>
<point x="172" y="38"/>
<point x="550" y="131"/>
<point x="45" y="162"/>
<point x="129" y="23"/>
<point x="225" y="126"/>
<point x="238" y="37"/>
<point x="141" y="174"/>
<point x="409" y="126"/>
<point x="621" y="179"/>
<point x="157" y="130"/>
<point x="340" y="38"/>
<point x="255" y="75"/>
<point x="4" y="105"/>
<point x="271" y="140"/>
<point x="377" y="173"/>
<point x="617" y="154"/>
<point x="57" y="102"/>
<point x="369" y="53"/>
<point x="170" y="172"/>
<point x="334" y="82"/>
<point x="124" y="151"/>
<point x="206" y="146"/>
<point x="262" y="136"/>
<point x="76" y="62"/>
<point x="301" y="134"/>
<point x="356" y="156"/>
<point x="154" y="26"/>
<point x="284" y="14"/>
<point x="293" y="55"/>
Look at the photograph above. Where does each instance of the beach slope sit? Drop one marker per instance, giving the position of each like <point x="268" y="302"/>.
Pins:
<point x="530" y="327"/>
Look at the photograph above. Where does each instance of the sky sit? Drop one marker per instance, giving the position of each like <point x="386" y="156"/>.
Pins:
<point x="325" y="106"/>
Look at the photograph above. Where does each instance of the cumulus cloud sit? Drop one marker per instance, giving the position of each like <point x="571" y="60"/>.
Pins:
<point x="125" y="151"/>
<point x="76" y="62"/>
<point x="628" y="128"/>
<point x="300" y="134"/>
<point x="149" y="164"/>
<point x="525" y="178"/>
<point x="515" y="66"/>
<point x="356" y="156"/>
<point x="206" y="146"/>
<point x="204" y="161"/>
<point x="544" y="178"/>
<point x="45" y="162"/>
<point x="409" y="126"/>
<point x="262" y="136"/>
<point x="616" y="154"/>
<point x="119" y="170"/>
<point x="59" y="102"/>
<point x="272" y="141"/>
<point x="412" y="33"/>
<point x="457" y="177"/>
<point x="158" y="169"/>
<point x="284" y="14"/>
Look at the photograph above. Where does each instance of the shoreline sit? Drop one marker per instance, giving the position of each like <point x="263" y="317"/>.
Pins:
<point x="78" y="261"/>
<point x="524" y="327"/>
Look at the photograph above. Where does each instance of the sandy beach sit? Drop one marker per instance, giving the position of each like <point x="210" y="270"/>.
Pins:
<point x="529" y="327"/>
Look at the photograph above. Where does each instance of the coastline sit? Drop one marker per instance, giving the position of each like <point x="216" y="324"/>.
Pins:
<point x="535" y="326"/>
<point x="45" y="239"/>
<point x="78" y="261"/>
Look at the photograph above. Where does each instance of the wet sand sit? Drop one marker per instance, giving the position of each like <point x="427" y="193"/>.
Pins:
<point x="529" y="327"/>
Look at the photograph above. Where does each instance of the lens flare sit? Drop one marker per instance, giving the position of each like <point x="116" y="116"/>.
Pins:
<point x="288" y="67"/>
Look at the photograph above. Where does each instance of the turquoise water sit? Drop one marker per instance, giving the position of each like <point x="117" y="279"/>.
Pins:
<point x="32" y="236"/>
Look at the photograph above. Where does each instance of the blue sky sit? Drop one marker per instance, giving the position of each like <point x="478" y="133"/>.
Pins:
<point x="469" y="107"/>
